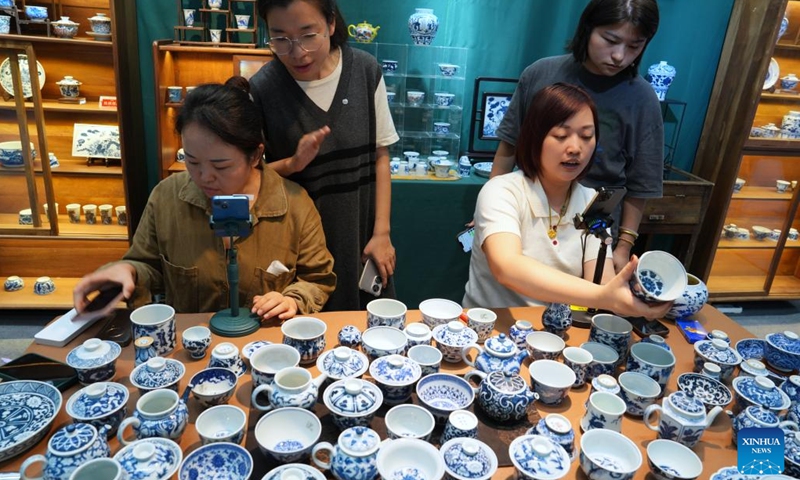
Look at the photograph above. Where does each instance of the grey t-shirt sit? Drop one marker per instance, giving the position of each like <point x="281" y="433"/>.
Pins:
<point x="630" y="151"/>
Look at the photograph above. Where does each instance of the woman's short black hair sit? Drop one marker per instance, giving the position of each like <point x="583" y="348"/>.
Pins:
<point x="327" y="8"/>
<point x="226" y="111"/>
<point x="643" y="14"/>
<point x="551" y="106"/>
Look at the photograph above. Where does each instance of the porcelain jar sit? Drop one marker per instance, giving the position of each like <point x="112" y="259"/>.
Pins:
<point x="661" y="76"/>
<point x="354" y="457"/>
<point x="557" y="318"/>
<point x="558" y="429"/>
<point x="683" y="418"/>
<point x="423" y="25"/>
<point x="364" y="32"/>
<point x="503" y="395"/>
<point x="160" y="413"/>
<point x="67" y="449"/>
<point x="691" y="300"/>
<point x="497" y="353"/>
<point x="292" y="387"/>
<point x="759" y="417"/>
<point x="519" y="332"/>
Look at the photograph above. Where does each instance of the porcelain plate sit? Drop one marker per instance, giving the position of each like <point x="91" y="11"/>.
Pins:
<point x="27" y="409"/>
<point x="6" y="80"/>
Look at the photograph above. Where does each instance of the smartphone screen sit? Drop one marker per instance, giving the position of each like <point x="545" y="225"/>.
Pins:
<point x="103" y="298"/>
<point x="33" y="366"/>
<point x="466" y="238"/>
<point x="230" y="215"/>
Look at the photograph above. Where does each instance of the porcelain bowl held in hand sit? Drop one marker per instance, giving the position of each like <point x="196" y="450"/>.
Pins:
<point x="659" y="277"/>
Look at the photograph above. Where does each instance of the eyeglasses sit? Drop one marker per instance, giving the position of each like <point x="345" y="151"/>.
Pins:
<point x="310" y="42"/>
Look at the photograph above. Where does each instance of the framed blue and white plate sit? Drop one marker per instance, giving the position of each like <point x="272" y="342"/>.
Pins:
<point x="773" y="73"/>
<point x="27" y="410"/>
<point x="483" y="168"/>
<point x="96" y="141"/>
<point x="7" y="82"/>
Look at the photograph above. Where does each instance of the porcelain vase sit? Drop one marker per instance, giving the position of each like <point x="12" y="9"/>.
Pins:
<point x="423" y="25"/>
<point x="661" y="76"/>
<point x="692" y="299"/>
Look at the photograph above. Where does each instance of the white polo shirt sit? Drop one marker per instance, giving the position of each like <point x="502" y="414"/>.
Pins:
<point x="513" y="203"/>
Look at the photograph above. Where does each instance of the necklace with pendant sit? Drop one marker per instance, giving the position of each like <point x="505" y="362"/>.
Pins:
<point x="551" y="233"/>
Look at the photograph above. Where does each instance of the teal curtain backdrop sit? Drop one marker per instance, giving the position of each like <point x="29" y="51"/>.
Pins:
<point x="503" y="37"/>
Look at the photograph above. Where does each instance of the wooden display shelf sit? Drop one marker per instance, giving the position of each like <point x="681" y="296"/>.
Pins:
<point x="761" y="193"/>
<point x="751" y="243"/>
<point x="90" y="42"/>
<point x="738" y="285"/>
<point x="771" y="145"/>
<point x="50" y="105"/>
<point x="61" y="298"/>
<point x="211" y="45"/>
<point x="177" y="167"/>
<point x="71" y="166"/>
<point x="778" y="96"/>
<point x="204" y="47"/>
<point x="70" y="230"/>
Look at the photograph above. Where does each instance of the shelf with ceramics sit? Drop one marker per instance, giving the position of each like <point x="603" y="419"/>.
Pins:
<point x="53" y="105"/>
<point x="83" y="41"/>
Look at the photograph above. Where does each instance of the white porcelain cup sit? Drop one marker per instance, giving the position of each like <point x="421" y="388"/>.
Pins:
<point x="122" y="215"/>
<point x="90" y="213"/>
<point x="242" y="21"/>
<point x="603" y="411"/>
<point x="781" y="186"/>
<point x="482" y="320"/>
<point x="106" y="215"/>
<point x="216" y="35"/>
<point x="188" y="16"/>
<point x="580" y="361"/>
<point x="409" y="421"/>
<point x="428" y="357"/>
<point x="174" y="94"/>
<point x="105" y="468"/>
<point x="74" y="212"/>
<point x="222" y="423"/>
<point x="269" y="360"/>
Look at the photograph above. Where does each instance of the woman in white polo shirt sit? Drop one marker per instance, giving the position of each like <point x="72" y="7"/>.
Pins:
<point x="527" y="250"/>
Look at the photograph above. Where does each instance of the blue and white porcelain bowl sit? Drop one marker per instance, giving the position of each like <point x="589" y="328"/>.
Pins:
<point x="36" y="14"/>
<point x="783" y="350"/>
<point x="352" y="402"/>
<point x="669" y="460"/>
<point x="543" y="345"/>
<point x="751" y="348"/>
<point x="759" y="390"/>
<point x="382" y="341"/>
<point x="217" y="460"/>
<point x="41" y="403"/>
<point x="718" y="352"/>
<point x="409" y="421"/>
<point x="387" y="312"/>
<point x="288" y="434"/>
<point x="349" y="336"/>
<point x="99" y="404"/>
<point x="389" y="66"/>
<point x="442" y="393"/>
<point x="638" y="391"/>
<point x="13" y="283"/>
<point x="11" y="154"/>
<point x="451" y="338"/>
<point x="213" y="386"/>
<point x="448" y="69"/>
<point x="604" y="359"/>
<point x="307" y="335"/>
<point x="708" y="390"/>
<point x="249" y="349"/>
<point x="342" y="362"/>
<point x="607" y="455"/>
<point x="222" y="423"/>
<point x="439" y="311"/>
<point x="551" y="380"/>
<point x="537" y="457"/>
<point x="157" y="372"/>
<point x="409" y="459"/>
<point x="660" y="277"/>
<point x="44" y="286"/>
<point x="441" y="128"/>
<point x="94" y="360"/>
<point x="395" y="376"/>
<point x="444" y="99"/>
<point x="150" y="458"/>
<point x="468" y="459"/>
<point x="297" y="471"/>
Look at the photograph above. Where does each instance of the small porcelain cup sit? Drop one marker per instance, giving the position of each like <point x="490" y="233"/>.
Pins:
<point x="417" y="333"/>
<point x="44" y="286"/>
<point x="379" y="342"/>
<point x="638" y="391"/>
<point x="188" y="17"/>
<point x="551" y="380"/>
<point x="482" y="320"/>
<point x="196" y="341"/>
<point x="386" y="312"/>
<point x="652" y="360"/>
<point x="156" y="320"/>
<point x="223" y="423"/>
<point x="441" y="128"/>
<point x="271" y="359"/>
<point x="74" y="212"/>
<point x="603" y="411"/>
<point x="411" y="156"/>
<point x="390" y="96"/>
<point x="46" y="208"/>
<point x="460" y="424"/>
<point x="775" y="234"/>
<point x="106" y="216"/>
<point x="781" y="186"/>
<point x="543" y="345"/>
<point x="122" y="215"/>
<point x="415" y="98"/>
<point x="409" y="421"/>
<point x="409" y="458"/>
<point x="225" y="355"/>
<point x="105" y="468"/>
<point x="389" y="65"/>
<point x="288" y="434"/>
<point x="216" y="35"/>
<point x="90" y="213"/>
<point x="428" y="357"/>
<point x="174" y="94"/>
<point x="737" y="187"/>
<point x="242" y="21"/>
<point x="604" y="359"/>
<point x="25" y="217"/>
<point x="613" y="331"/>
<point x="580" y="361"/>
<point x="307" y="335"/>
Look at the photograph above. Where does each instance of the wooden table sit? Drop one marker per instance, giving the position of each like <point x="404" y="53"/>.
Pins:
<point x="715" y="448"/>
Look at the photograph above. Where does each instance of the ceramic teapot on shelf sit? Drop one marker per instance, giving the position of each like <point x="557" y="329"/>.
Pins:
<point x="67" y="449"/>
<point x="497" y="353"/>
<point x="364" y="32"/>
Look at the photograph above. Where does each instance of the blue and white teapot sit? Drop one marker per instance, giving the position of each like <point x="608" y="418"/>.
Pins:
<point x="69" y="448"/>
<point x="498" y="353"/>
<point x="354" y="457"/>
<point x="503" y="395"/>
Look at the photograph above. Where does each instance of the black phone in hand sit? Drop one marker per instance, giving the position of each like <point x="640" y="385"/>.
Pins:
<point x="644" y="327"/>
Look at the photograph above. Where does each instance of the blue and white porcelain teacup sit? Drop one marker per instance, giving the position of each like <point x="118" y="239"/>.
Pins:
<point x="271" y="359"/>
<point x="409" y="421"/>
<point x="196" y="341"/>
<point x="386" y="312"/>
<point x="444" y="99"/>
<point x="551" y="380"/>
<point x="288" y="434"/>
<point x="652" y="360"/>
<point x="448" y="69"/>
<point x="604" y="359"/>
<point x="188" y="17"/>
<point x="638" y="391"/>
<point x="409" y="458"/>
<point x="36" y="14"/>
<point x="669" y="459"/>
<point x="604" y="410"/>
<point x="389" y="65"/>
<point x="25" y="217"/>
<point x="460" y="424"/>
<point x="482" y="320"/>
<point x="415" y="98"/>
<point x="213" y="386"/>
<point x="613" y="331"/>
<point x="13" y="283"/>
<point x="159" y="413"/>
<point x="307" y="335"/>
<point x="242" y="21"/>
<point x="222" y="423"/>
<point x="43" y="286"/>
<point x="441" y="128"/>
<point x="760" y="232"/>
<point x="381" y="341"/>
<point x="428" y="357"/>
<point x="156" y="320"/>
<point x="580" y="361"/>
<point x="737" y="187"/>
<point x="543" y="345"/>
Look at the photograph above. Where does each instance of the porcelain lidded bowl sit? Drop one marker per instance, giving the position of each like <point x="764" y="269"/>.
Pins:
<point x="782" y="350"/>
<point x="752" y="367"/>
<point x="100" y="23"/>
<point x="352" y="402"/>
<point x="451" y="338"/>
<point x="150" y="458"/>
<point x="498" y="353"/>
<point x="537" y="457"/>
<point x="670" y="460"/>
<point x="157" y="372"/>
<point x="557" y="428"/>
<point x="708" y="390"/>
<point x="758" y="390"/>
<point x="503" y="395"/>
<point x="67" y="449"/>
<point x="65" y="28"/>
<point x="343" y="362"/>
<point x="468" y="459"/>
<point x="791" y="387"/>
<point x="94" y="360"/>
<point x="354" y="457"/>
<point x="443" y="393"/>
<point x="606" y="454"/>
<point x="718" y="352"/>
<point x="99" y="404"/>
<point x="217" y="460"/>
<point x="395" y="376"/>
<point x="756" y="416"/>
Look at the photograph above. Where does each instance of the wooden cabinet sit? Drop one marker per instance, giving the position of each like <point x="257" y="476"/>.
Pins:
<point x="186" y="66"/>
<point x="71" y="250"/>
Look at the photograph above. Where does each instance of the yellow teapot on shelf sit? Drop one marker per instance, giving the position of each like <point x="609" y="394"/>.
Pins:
<point x="364" y="32"/>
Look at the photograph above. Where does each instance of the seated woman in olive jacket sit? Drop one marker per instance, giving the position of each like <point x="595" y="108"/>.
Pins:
<point x="284" y="265"/>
